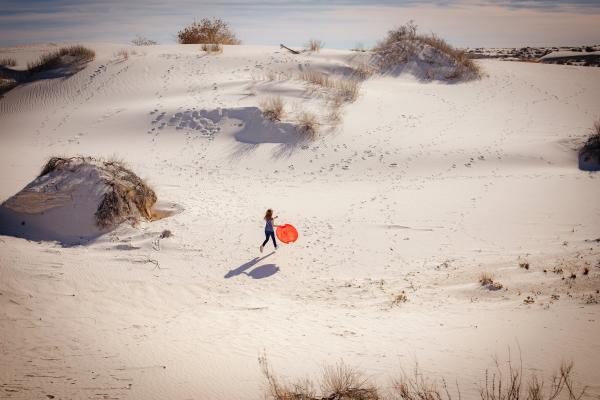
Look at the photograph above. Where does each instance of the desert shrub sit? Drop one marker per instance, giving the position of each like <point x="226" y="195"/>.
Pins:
<point x="8" y="62"/>
<point x="308" y="124"/>
<point x="272" y="108"/>
<point x="211" y="48"/>
<point x="404" y="44"/>
<point x="124" y="54"/>
<point x="400" y="298"/>
<point x="315" y="45"/>
<point x="315" y="77"/>
<point x="142" y="41"/>
<point x="486" y="278"/>
<point x="339" y="382"/>
<point x="71" y="55"/>
<point x="346" y="89"/>
<point x="215" y="31"/>
<point x="591" y="148"/>
<point x="129" y="196"/>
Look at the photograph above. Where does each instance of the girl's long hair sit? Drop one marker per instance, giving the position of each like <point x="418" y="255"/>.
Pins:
<point x="269" y="214"/>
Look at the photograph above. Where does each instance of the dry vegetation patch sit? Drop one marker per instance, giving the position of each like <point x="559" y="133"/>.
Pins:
<point x="342" y="382"/>
<point x="8" y="62"/>
<point x="308" y="125"/>
<point x="315" y="45"/>
<point x="208" y="31"/>
<point x="143" y="41"/>
<point x="404" y="44"/>
<point x="590" y="152"/>
<point x="212" y="48"/>
<point x="487" y="280"/>
<point x="65" y="56"/>
<point x="272" y="108"/>
<point x="129" y="198"/>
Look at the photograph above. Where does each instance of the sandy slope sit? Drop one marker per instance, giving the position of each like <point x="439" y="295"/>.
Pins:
<point x="422" y="187"/>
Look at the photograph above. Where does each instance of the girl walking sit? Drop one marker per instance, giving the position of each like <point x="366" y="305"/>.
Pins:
<point x="269" y="229"/>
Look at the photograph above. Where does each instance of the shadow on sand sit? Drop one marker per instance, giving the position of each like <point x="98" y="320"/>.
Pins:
<point x="258" y="273"/>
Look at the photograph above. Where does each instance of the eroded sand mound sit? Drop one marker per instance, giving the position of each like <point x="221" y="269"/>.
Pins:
<point x="76" y="199"/>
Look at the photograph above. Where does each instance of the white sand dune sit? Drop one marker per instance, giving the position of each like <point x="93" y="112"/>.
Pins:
<point x="421" y="187"/>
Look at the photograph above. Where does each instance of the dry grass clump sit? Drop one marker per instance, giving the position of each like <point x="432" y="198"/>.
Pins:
<point x="212" y="48"/>
<point x="272" y="108"/>
<point x="123" y="54"/>
<point x="591" y="148"/>
<point x="207" y="31"/>
<point x="400" y="298"/>
<point x="339" y="382"/>
<point x="143" y="41"/>
<point x="487" y="280"/>
<point x="315" y="77"/>
<point x="524" y="265"/>
<point x="347" y="89"/>
<point x="404" y="44"/>
<point x="509" y="385"/>
<point x="315" y="45"/>
<point x="129" y="197"/>
<point x="308" y="125"/>
<point x="8" y="62"/>
<point x="64" y="56"/>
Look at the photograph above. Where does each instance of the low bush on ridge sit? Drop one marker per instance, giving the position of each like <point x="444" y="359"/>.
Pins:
<point x="207" y="31"/>
<point x="71" y="55"/>
<point x="404" y="45"/>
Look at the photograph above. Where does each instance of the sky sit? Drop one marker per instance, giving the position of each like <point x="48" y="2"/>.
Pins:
<point x="340" y="24"/>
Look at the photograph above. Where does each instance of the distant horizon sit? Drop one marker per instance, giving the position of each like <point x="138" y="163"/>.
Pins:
<point x="340" y="24"/>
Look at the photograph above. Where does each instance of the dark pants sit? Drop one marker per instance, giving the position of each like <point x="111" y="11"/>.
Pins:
<point x="272" y="235"/>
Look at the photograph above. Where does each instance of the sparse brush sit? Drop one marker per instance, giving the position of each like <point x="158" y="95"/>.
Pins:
<point x="400" y="298"/>
<point x="315" y="45"/>
<point x="418" y="387"/>
<point x="344" y="382"/>
<point x="508" y="384"/>
<point x="404" y="44"/>
<point x="142" y="41"/>
<point x="208" y="31"/>
<point x="486" y="278"/>
<point x="524" y="265"/>
<point x="339" y="382"/>
<point x="272" y="108"/>
<point x="129" y="196"/>
<point x="212" y="48"/>
<point x="308" y="125"/>
<point x="124" y="54"/>
<point x="315" y="77"/>
<point x="347" y="89"/>
<point x="362" y="71"/>
<point x="8" y="62"/>
<point x="591" y="148"/>
<point x="64" y="56"/>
